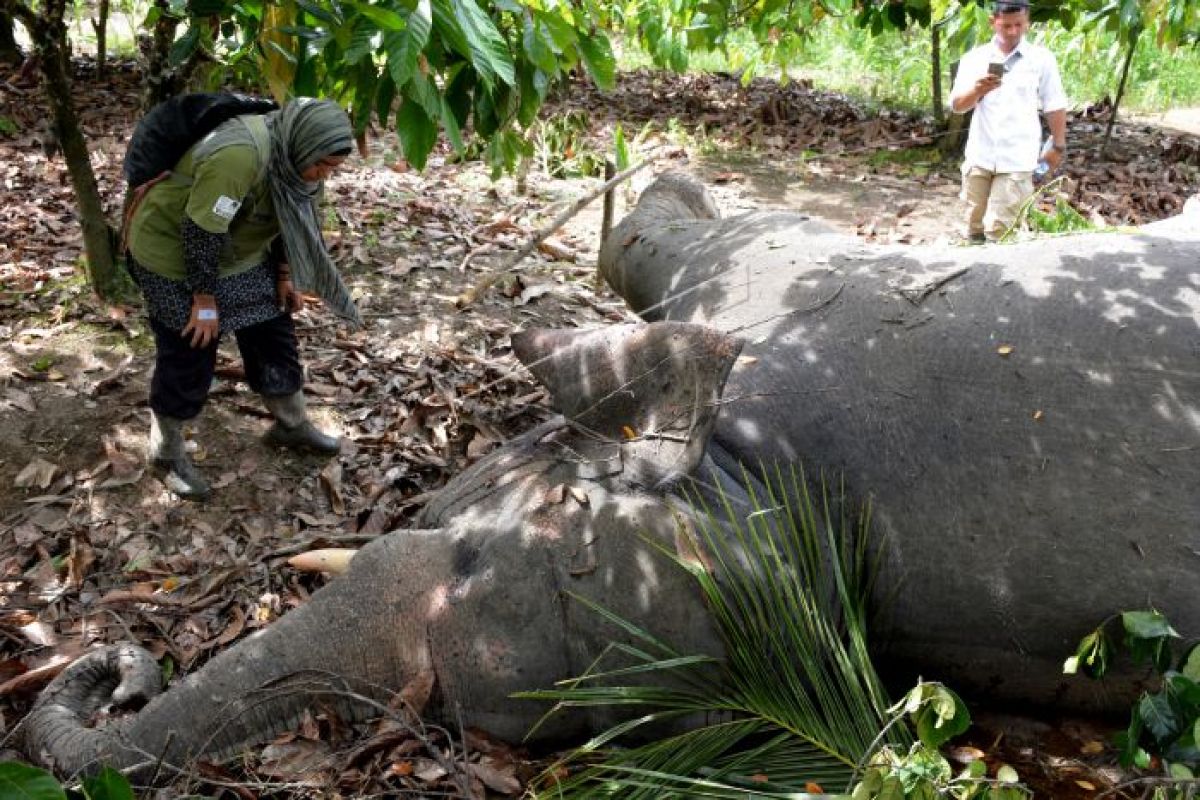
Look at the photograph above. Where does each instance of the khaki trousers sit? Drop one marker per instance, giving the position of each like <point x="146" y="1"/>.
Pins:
<point x="993" y="199"/>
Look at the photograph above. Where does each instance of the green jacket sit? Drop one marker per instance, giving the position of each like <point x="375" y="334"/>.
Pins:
<point x="228" y="192"/>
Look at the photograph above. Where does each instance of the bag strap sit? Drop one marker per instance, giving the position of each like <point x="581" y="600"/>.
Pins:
<point x="257" y="125"/>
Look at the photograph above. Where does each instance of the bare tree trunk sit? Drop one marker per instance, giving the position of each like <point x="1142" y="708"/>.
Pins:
<point x="956" y="126"/>
<point x="10" y="51"/>
<point x="101" y="27"/>
<point x="158" y="79"/>
<point x="935" y="60"/>
<point x="48" y="31"/>
<point x="1112" y="120"/>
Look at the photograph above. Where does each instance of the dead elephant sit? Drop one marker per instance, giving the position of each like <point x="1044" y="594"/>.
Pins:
<point x="1025" y="417"/>
<point x="478" y="597"/>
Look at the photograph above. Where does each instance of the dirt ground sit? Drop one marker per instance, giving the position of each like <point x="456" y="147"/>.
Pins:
<point x="94" y="549"/>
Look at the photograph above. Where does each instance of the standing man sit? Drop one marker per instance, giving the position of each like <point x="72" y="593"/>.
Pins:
<point x="1005" y="81"/>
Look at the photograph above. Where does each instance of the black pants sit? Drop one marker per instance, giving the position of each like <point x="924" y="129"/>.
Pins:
<point x="183" y="374"/>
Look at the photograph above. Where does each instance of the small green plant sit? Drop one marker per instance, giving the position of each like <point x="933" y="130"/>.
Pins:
<point x="938" y="715"/>
<point x="31" y="783"/>
<point x="1063" y="219"/>
<point x="1164" y="724"/>
<point x="7" y="126"/>
<point x="561" y="149"/>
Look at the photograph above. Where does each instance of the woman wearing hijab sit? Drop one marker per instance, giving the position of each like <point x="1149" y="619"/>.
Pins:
<point x="220" y="244"/>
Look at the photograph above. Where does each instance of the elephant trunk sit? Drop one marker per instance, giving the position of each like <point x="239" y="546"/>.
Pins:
<point x="54" y="733"/>
<point x="248" y="694"/>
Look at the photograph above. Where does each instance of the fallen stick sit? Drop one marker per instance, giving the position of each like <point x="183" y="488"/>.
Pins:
<point x="472" y="294"/>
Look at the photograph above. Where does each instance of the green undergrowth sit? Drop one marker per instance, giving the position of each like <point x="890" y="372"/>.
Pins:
<point x="894" y="67"/>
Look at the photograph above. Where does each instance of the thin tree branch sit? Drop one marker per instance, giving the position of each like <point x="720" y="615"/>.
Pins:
<point x="472" y="294"/>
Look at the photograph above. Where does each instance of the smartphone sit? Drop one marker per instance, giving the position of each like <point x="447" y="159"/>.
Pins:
<point x="996" y="68"/>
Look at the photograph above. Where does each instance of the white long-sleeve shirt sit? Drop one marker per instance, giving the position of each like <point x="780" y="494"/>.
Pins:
<point x="1006" y="132"/>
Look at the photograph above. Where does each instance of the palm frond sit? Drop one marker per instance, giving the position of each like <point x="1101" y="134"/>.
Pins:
<point x="796" y="701"/>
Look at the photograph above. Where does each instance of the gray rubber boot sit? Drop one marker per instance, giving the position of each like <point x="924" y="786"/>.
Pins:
<point x="170" y="460"/>
<point x="293" y="429"/>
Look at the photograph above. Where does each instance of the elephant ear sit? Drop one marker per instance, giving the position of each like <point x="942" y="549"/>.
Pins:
<point x="650" y="389"/>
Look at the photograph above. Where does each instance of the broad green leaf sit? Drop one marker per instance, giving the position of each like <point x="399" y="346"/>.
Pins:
<point x="319" y="12"/>
<point x="425" y="92"/>
<point x="562" y="35"/>
<point x="385" y="18"/>
<point x="537" y="49"/>
<point x="1191" y="663"/>
<point x="451" y="126"/>
<point x="1146" y="625"/>
<point x="598" y="58"/>
<point x="1158" y="717"/>
<point x="360" y="43"/>
<point x="940" y="716"/>
<point x="108" y="785"/>
<point x="621" y="157"/>
<point x="458" y="94"/>
<point x="488" y="50"/>
<point x="530" y="99"/>
<point x="1183" y="692"/>
<point x="447" y="27"/>
<point x="1180" y="772"/>
<point x="385" y="98"/>
<point x="892" y="789"/>
<point x="184" y="46"/>
<point x="365" y="80"/>
<point x="23" y="782"/>
<point x="417" y="132"/>
<point x="404" y="47"/>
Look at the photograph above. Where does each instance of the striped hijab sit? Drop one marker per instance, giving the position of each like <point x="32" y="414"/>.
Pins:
<point x="302" y="132"/>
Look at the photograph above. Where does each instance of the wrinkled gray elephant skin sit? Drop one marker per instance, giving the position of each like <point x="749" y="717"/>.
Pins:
<point x="1026" y="417"/>
<point x="479" y="596"/>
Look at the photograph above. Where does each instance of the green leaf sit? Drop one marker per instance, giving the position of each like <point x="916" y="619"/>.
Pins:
<point x="488" y="50"/>
<point x="529" y="96"/>
<point x="597" y="55"/>
<point x="892" y="789"/>
<point x="108" y="785"/>
<point x="621" y="157"/>
<point x="361" y="42"/>
<point x="385" y="97"/>
<point x="451" y="126"/>
<point x="539" y="52"/>
<point x="385" y="18"/>
<point x="940" y="715"/>
<point x="458" y="95"/>
<point x="364" y="96"/>
<point x="447" y="27"/>
<point x="1146" y="625"/>
<point x="1092" y="655"/>
<point x="1180" y="772"/>
<point x="404" y="48"/>
<point x="1191" y="663"/>
<point x="318" y="12"/>
<point x="417" y="132"/>
<point x="425" y="92"/>
<point x="183" y="47"/>
<point x="23" y="782"/>
<point x="1158" y="717"/>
